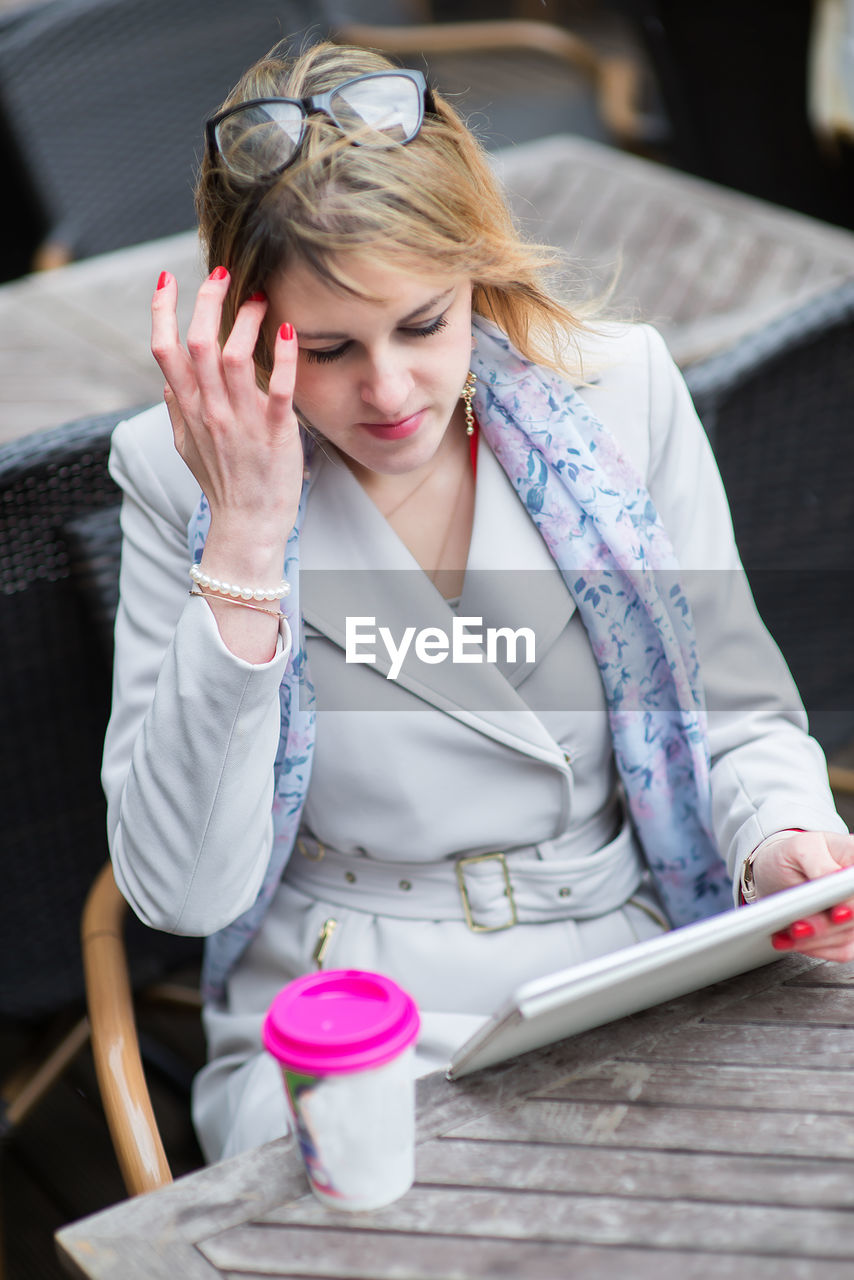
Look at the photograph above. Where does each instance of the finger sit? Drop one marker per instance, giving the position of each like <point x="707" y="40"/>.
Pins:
<point x="165" y="341"/>
<point x="176" y="417"/>
<point x="203" y="335"/>
<point x="839" y="950"/>
<point x="835" y="920"/>
<point x="280" y="393"/>
<point x="824" y="924"/>
<point x="841" y="848"/>
<point x="238" y="357"/>
<point x="817" y="858"/>
<point x="819" y="934"/>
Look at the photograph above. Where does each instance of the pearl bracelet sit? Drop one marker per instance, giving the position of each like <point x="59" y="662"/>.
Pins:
<point x="244" y="604"/>
<point x="228" y="590"/>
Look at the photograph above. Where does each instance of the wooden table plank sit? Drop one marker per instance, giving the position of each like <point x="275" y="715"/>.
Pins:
<point x="777" y="1133"/>
<point x="717" y="1043"/>
<point x="651" y="1221"/>
<point x="632" y="1171"/>
<point x="686" y="1084"/>
<point x="174" y="1258"/>
<point x="814" y="1005"/>
<point x="294" y="1251"/>
<point x="825" y="975"/>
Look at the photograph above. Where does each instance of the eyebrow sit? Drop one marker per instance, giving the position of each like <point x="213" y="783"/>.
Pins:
<point x="413" y="315"/>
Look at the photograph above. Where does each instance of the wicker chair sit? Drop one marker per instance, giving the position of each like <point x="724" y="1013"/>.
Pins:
<point x="103" y="101"/>
<point x="779" y="409"/>
<point x="59" y="551"/>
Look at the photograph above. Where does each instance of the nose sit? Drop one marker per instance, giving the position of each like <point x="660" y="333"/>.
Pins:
<point x="387" y="384"/>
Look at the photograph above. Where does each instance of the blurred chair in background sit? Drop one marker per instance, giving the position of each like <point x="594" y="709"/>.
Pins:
<point x="734" y="81"/>
<point x="779" y="408"/>
<point x="512" y="79"/>
<point x="105" y="103"/>
<point x="59" y="553"/>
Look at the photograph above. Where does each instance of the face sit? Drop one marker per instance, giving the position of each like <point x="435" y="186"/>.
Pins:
<point x="379" y="378"/>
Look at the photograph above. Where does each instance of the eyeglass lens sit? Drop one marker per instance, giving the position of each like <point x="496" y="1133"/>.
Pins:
<point x="260" y="139"/>
<point x="389" y="105"/>
<point x="263" y="138"/>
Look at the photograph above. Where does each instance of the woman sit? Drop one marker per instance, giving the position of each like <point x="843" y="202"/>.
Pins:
<point x="378" y="395"/>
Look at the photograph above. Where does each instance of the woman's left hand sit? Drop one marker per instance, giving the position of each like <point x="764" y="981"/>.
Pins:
<point x="793" y="858"/>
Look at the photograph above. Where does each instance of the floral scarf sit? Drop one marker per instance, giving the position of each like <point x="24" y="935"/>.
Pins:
<point x="601" y="527"/>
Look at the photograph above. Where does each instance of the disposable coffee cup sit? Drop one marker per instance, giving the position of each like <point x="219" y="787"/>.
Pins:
<point x="344" y="1039"/>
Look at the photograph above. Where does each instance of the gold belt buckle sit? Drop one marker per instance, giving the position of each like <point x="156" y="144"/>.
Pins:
<point x="461" y="864"/>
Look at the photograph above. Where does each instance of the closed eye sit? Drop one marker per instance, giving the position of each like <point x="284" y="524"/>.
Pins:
<point x="419" y="331"/>
<point x="424" y="331"/>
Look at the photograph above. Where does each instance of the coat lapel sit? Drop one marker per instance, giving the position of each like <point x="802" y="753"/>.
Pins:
<point x="343" y="541"/>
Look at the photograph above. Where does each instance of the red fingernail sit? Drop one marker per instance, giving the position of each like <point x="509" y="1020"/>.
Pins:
<point x="260" y="296"/>
<point x="163" y="279"/>
<point x="781" y="941"/>
<point x="286" y="332"/>
<point x="218" y="273"/>
<point x="801" y="929"/>
<point x="841" y="914"/>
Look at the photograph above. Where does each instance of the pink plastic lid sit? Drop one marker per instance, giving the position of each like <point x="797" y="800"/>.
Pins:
<point x="340" y="1020"/>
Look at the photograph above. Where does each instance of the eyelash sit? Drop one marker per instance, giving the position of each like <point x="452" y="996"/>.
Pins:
<point x="426" y="331"/>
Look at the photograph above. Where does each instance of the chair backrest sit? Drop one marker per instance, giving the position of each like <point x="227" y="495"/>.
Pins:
<point x="779" y="410"/>
<point x="106" y="102"/>
<point x="59" y="553"/>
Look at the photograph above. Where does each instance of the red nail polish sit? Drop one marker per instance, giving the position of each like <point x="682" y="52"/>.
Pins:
<point x="841" y="913"/>
<point x="260" y="296"/>
<point x="781" y="941"/>
<point x="801" y="929"/>
<point x="286" y="332"/>
<point x="163" y="279"/>
<point x="218" y="273"/>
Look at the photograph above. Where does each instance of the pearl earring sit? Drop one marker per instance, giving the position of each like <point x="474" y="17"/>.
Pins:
<point x="467" y="395"/>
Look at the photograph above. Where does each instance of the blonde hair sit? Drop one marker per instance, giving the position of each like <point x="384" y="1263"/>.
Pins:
<point x="434" y="200"/>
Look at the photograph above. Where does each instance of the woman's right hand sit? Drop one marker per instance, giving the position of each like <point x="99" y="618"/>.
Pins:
<point x="241" y="443"/>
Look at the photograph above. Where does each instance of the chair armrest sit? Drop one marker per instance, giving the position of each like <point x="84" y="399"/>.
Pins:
<point x="473" y="37"/>
<point x="841" y="779"/>
<point x="50" y="255"/>
<point x="616" y="77"/>
<point x="115" y="1045"/>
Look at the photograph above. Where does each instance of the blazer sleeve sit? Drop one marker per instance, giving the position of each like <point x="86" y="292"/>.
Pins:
<point x="768" y="775"/>
<point x="192" y="737"/>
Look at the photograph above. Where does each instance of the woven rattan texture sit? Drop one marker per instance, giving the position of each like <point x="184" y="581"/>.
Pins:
<point x="56" y="594"/>
<point x="107" y="99"/>
<point x="779" y="411"/>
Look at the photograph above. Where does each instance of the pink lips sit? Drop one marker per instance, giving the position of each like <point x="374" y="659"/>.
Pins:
<point x="395" y="430"/>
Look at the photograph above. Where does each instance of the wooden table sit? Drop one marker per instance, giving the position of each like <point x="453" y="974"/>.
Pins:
<point x="705" y="264"/>
<point x="709" y="1137"/>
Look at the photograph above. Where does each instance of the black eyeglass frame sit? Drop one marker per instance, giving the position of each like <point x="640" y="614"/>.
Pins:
<point x="317" y="104"/>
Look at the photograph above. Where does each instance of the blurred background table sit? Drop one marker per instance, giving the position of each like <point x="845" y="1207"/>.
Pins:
<point x="708" y="1137"/>
<point x="706" y="264"/>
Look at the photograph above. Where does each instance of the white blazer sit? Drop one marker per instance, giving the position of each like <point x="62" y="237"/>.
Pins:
<point x="190" y="747"/>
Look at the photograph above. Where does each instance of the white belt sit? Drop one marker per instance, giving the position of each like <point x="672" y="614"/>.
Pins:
<point x="489" y="891"/>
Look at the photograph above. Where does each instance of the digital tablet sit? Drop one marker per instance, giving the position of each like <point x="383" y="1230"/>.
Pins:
<point x="637" y="977"/>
